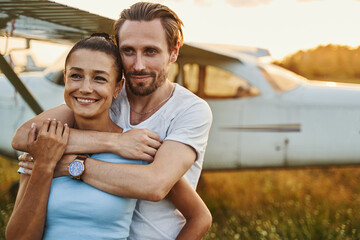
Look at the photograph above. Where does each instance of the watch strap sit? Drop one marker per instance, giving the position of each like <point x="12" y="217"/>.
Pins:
<point x="81" y="157"/>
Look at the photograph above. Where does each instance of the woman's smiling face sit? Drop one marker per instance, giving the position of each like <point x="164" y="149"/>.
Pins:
<point x="90" y="83"/>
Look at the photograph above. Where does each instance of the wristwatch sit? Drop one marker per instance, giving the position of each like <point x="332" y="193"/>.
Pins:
<point x="77" y="167"/>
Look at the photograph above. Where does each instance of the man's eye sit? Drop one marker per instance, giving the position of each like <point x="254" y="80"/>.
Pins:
<point x="151" y="51"/>
<point x="127" y="51"/>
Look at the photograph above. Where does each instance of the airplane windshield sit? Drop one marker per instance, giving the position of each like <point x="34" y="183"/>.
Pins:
<point x="281" y="79"/>
<point x="54" y="73"/>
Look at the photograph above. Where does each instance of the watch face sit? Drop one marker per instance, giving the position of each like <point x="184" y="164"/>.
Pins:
<point x="76" y="168"/>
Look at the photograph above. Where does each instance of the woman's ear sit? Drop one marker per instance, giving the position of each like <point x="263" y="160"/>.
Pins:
<point x="118" y="88"/>
<point x="64" y="73"/>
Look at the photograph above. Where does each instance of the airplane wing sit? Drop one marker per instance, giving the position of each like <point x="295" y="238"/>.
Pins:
<point x="49" y="21"/>
<point x="195" y="51"/>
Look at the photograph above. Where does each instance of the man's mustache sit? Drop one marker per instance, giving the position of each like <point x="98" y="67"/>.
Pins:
<point x="140" y="73"/>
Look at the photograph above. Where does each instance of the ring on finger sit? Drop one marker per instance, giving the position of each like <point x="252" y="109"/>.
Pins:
<point x="21" y="157"/>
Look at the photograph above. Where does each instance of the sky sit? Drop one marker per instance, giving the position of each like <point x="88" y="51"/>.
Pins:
<point x="281" y="26"/>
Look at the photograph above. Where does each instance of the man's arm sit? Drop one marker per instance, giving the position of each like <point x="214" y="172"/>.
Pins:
<point x="133" y="144"/>
<point x="150" y="182"/>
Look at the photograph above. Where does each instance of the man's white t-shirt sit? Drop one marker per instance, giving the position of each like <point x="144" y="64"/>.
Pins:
<point x="185" y="118"/>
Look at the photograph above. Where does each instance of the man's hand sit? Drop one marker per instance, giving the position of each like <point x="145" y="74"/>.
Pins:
<point x="138" y="144"/>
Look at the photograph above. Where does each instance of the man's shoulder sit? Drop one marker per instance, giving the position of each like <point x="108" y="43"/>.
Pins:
<point x="186" y="102"/>
<point x="184" y="95"/>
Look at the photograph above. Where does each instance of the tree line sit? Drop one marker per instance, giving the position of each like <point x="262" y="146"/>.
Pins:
<point x="325" y="62"/>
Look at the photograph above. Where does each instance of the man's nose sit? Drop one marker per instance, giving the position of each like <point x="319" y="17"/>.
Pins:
<point x="139" y="63"/>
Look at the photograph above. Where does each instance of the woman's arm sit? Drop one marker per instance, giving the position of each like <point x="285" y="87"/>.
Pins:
<point x="197" y="215"/>
<point x="28" y="217"/>
<point x="61" y="113"/>
<point x="133" y="144"/>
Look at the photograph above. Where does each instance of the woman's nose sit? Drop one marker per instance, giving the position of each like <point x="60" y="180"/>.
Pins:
<point x="86" y="86"/>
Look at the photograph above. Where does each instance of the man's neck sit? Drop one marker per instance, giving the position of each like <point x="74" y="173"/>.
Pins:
<point x="143" y="107"/>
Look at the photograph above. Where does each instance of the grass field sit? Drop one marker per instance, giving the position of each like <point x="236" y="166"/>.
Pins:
<point x="8" y="176"/>
<point x="264" y="204"/>
<point x="284" y="204"/>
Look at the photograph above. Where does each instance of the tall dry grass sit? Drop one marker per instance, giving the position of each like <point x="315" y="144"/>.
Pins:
<point x="8" y="176"/>
<point x="283" y="204"/>
<point x="263" y="204"/>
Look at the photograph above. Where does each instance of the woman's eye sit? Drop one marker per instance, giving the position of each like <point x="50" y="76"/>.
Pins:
<point x="99" y="78"/>
<point x="75" y="76"/>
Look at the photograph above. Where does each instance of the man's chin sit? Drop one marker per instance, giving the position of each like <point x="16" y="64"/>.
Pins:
<point x="142" y="92"/>
<point x="142" y="89"/>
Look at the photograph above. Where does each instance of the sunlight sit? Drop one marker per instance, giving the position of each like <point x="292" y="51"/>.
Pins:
<point x="331" y="84"/>
<point x="282" y="26"/>
<point x="44" y="53"/>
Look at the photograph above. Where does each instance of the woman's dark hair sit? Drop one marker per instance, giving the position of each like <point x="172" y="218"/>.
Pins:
<point x="103" y="43"/>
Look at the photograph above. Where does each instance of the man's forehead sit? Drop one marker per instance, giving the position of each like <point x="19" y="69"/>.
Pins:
<point x="151" y="31"/>
<point x="147" y="23"/>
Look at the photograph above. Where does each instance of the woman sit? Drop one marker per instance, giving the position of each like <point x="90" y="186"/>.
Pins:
<point x="65" y="208"/>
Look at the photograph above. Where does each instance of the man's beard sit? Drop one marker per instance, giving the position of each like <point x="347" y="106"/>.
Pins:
<point x="140" y="89"/>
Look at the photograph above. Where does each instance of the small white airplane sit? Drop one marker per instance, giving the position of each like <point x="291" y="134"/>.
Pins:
<point x="264" y="115"/>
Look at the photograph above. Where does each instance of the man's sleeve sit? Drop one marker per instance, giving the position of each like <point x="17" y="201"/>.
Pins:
<point x="192" y="127"/>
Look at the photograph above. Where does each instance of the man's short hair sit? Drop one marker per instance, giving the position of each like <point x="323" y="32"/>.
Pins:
<point x="146" y="11"/>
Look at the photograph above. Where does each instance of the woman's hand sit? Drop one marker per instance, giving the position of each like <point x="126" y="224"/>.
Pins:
<point x="49" y="145"/>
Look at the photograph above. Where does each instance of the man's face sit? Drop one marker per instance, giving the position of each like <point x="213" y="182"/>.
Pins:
<point x="145" y="55"/>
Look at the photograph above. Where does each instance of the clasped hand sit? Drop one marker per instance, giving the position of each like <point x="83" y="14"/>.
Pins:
<point x="46" y="145"/>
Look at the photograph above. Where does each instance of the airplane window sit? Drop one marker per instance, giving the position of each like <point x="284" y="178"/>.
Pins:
<point x="56" y="77"/>
<point x="191" y="77"/>
<point x="173" y="72"/>
<point x="210" y="82"/>
<point x="220" y="83"/>
<point x="54" y="73"/>
<point x="281" y="79"/>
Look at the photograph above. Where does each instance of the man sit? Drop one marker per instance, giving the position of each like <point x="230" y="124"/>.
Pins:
<point x="149" y="37"/>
